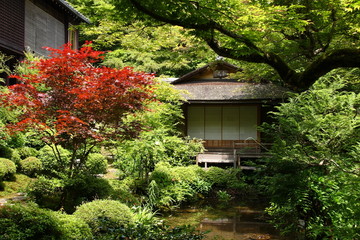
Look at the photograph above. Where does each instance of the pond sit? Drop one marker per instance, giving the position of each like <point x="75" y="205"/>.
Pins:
<point x="236" y="221"/>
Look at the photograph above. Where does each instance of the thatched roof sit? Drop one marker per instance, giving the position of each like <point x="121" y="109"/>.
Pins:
<point x="199" y="88"/>
<point x="234" y="91"/>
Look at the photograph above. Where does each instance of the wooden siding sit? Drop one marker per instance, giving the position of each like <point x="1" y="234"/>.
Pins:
<point x="42" y="29"/>
<point x="12" y="25"/>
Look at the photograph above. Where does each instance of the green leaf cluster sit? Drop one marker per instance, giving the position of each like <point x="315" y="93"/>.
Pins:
<point x="314" y="169"/>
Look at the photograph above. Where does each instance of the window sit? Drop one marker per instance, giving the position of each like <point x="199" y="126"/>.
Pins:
<point x="220" y="73"/>
<point x="73" y="37"/>
<point x="222" y="122"/>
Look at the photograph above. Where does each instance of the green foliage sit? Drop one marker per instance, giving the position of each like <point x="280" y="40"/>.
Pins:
<point x="170" y="186"/>
<point x="157" y="231"/>
<point x="26" y="152"/>
<point x="162" y="141"/>
<point x="5" y="151"/>
<point x="7" y="168"/>
<point x="51" y="164"/>
<point x="96" y="163"/>
<point x="27" y="221"/>
<point x="67" y="193"/>
<point x="101" y="214"/>
<point x="300" y="40"/>
<point x="73" y="227"/>
<point x="30" y="166"/>
<point x="223" y="196"/>
<point x="314" y="169"/>
<point x="159" y="48"/>
<point x="15" y="157"/>
<point x="18" y="183"/>
<point x="123" y="192"/>
<point x="47" y="192"/>
<point x="225" y="178"/>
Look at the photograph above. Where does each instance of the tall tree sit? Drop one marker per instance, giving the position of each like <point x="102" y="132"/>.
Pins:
<point x="301" y="40"/>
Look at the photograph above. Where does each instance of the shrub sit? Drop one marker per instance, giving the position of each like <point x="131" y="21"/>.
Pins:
<point x="68" y="193"/>
<point x="73" y="227"/>
<point x="26" y="152"/>
<point x="7" y="168"/>
<point x="47" y="192"/>
<point x="96" y="163"/>
<point x="5" y="152"/>
<point x="51" y="165"/>
<point x="27" y="222"/>
<point x="30" y="166"/>
<point x="101" y="214"/>
<point x="84" y="188"/>
<point x="224" y="178"/>
<point x="122" y="192"/>
<point x="170" y="186"/>
<point x="15" y="157"/>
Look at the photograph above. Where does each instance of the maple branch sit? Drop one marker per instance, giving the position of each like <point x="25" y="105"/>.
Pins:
<point x="324" y="64"/>
<point x="208" y="26"/>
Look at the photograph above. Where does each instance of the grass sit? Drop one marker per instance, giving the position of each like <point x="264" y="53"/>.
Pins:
<point x="18" y="184"/>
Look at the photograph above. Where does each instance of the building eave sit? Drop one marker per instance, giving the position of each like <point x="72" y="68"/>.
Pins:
<point x="70" y="8"/>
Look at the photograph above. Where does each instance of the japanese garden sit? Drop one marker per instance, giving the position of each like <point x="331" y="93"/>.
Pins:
<point x="179" y="119"/>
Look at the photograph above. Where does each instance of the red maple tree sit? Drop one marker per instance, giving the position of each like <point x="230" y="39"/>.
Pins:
<point x="73" y="103"/>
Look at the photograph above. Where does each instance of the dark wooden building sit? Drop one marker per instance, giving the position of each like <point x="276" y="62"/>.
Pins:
<point x="226" y="112"/>
<point x="32" y="24"/>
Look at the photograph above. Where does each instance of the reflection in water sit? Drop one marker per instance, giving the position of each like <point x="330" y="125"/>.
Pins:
<point x="233" y="222"/>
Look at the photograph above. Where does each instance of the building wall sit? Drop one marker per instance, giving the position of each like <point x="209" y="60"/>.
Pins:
<point x="12" y="26"/>
<point x="42" y="29"/>
<point x="223" y="122"/>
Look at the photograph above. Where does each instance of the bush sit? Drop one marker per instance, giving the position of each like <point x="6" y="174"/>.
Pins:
<point x="67" y="193"/>
<point x="7" y="168"/>
<point x="122" y="191"/>
<point x="73" y="227"/>
<point x="51" y="165"/>
<point x="15" y="157"/>
<point x="84" y="188"/>
<point x="96" y="163"/>
<point x="47" y="192"/>
<point x="30" y="166"/>
<point x="26" y="152"/>
<point x="171" y="186"/>
<point x="5" y="152"/>
<point x="224" y="178"/>
<point x="101" y="214"/>
<point x="27" y="222"/>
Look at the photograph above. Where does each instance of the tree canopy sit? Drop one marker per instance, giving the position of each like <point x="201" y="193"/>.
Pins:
<point x="301" y="40"/>
<point x="72" y="103"/>
<point x="151" y="47"/>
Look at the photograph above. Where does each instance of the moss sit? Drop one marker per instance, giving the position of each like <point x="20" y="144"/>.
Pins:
<point x="18" y="184"/>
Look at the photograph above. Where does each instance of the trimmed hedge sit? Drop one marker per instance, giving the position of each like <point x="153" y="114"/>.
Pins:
<point x="30" y="165"/>
<point x="7" y="167"/>
<point x="28" y="222"/>
<point x="104" y="214"/>
<point x="73" y="228"/>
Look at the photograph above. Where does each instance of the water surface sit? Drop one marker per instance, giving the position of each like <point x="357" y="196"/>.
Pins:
<point x="237" y="221"/>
